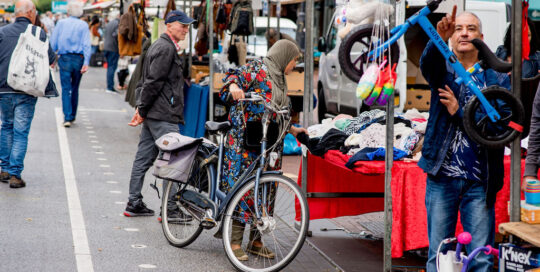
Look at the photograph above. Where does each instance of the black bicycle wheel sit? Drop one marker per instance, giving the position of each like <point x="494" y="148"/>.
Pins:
<point x="183" y="233"/>
<point x="354" y="48"/>
<point x="490" y="134"/>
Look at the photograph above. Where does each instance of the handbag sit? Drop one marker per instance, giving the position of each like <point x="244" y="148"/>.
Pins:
<point x="253" y="134"/>
<point x="28" y="70"/>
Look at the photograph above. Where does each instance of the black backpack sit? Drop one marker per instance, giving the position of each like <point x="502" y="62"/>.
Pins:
<point x="241" y="22"/>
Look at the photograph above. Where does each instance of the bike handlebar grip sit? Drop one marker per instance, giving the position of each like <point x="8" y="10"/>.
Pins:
<point x="464" y="238"/>
<point x="433" y="4"/>
<point x="489" y="60"/>
<point x="492" y="251"/>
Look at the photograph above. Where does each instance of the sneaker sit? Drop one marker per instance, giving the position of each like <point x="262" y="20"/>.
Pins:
<point x="240" y="254"/>
<point x="67" y="124"/>
<point x="112" y="91"/>
<point x="138" y="210"/>
<point x="4" y="177"/>
<point x="15" y="182"/>
<point x="177" y="216"/>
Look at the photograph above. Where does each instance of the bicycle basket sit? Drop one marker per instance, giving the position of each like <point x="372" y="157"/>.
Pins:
<point x="176" y="156"/>
<point x="253" y="134"/>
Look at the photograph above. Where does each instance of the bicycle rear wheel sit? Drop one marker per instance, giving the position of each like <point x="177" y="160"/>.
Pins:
<point x="183" y="233"/>
<point x="285" y="205"/>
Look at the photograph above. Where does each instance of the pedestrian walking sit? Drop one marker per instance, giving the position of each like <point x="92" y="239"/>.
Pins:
<point x="160" y="107"/>
<point x="48" y="21"/>
<point x="95" y="35"/>
<point x="462" y="175"/>
<point x="110" y="49"/>
<point x="16" y="107"/>
<point x="71" y="40"/>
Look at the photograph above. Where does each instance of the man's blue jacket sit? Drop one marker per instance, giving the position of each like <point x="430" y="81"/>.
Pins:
<point x="441" y="126"/>
<point x="9" y="36"/>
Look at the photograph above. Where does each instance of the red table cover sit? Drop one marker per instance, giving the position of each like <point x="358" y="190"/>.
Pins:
<point x="409" y="227"/>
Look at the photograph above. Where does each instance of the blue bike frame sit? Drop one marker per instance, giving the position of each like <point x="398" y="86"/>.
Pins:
<point x="217" y="195"/>
<point x="464" y="76"/>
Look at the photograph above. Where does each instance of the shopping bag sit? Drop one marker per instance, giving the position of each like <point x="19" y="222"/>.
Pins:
<point x="29" y="64"/>
<point x="447" y="262"/>
<point x="368" y="80"/>
<point x="388" y="86"/>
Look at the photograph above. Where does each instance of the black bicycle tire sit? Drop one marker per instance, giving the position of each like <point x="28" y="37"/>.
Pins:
<point x="345" y="48"/>
<point x="304" y="226"/>
<point x="493" y="92"/>
<point x="199" y="159"/>
<point x="321" y="111"/>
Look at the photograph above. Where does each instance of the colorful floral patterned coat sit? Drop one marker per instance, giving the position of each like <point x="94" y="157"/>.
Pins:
<point x="236" y="158"/>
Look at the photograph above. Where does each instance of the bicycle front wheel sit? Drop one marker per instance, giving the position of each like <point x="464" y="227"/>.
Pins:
<point x="181" y="223"/>
<point x="282" y="205"/>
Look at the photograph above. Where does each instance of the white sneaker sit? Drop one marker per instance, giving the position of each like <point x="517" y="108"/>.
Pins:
<point x="67" y="124"/>
<point x="111" y="91"/>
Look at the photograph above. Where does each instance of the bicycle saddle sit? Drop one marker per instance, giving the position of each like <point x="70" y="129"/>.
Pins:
<point x="488" y="58"/>
<point x="213" y="127"/>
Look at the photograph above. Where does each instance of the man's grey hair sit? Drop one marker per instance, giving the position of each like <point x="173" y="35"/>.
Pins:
<point x="75" y="8"/>
<point x="272" y="34"/>
<point x="23" y="8"/>
<point x="475" y="16"/>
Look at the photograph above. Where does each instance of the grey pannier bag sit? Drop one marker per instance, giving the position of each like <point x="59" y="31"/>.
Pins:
<point x="176" y="156"/>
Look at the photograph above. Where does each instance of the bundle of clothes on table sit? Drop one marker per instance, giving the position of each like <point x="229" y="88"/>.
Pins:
<point x="363" y="138"/>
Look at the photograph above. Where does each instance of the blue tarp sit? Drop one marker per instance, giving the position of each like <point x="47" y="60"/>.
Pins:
<point x="195" y="110"/>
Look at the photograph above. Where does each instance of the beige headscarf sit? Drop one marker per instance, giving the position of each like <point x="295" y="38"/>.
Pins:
<point x="277" y="59"/>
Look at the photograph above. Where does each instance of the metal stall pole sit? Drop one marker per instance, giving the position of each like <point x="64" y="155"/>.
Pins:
<point x="389" y="161"/>
<point x="278" y="15"/>
<point x="515" y="170"/>
<point x="308" y="81"/>
<point x="190" y="59"/>
<point x="210" y="21"/>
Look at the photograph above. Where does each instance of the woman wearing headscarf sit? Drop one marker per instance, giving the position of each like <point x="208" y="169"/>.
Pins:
<point x="267" y="78"/>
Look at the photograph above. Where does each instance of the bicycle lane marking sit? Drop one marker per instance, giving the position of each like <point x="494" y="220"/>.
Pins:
<point x="78" y="228"/>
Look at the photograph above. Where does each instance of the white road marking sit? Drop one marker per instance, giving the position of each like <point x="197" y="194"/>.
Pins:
<point x="147" y="266"/>
<point x="94" y="142"/>
<point x="101" y="159"/>
<point x="108" y="174"/>
<point x="131" y="229"/>
<point x="92" y="136"/>
<point x="96" y="146"/>
<point x="100" y="152"/>
<point x="115" y="192"/>
<point x="120" y="203"/>
<point x="89" y="127"/>
<point x="101" y="110"/>
<point x="104" y="166"/>
<point x="138" y="246"/>
<point x="83" y="256"/>
<point x="112" y="182"/>
<point x="90" y="132"/>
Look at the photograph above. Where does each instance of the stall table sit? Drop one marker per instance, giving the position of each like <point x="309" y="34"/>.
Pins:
<point x="347" y="192"/>
<point x="525" y="231"/>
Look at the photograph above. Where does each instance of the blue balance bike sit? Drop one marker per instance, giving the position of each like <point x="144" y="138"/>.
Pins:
<point x="492" y="118"/>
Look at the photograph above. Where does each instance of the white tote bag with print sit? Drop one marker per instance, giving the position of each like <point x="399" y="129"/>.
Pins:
<point x="29" y="65"/>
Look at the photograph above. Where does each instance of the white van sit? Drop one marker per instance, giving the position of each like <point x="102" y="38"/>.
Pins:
<point x="257" y="42"/>
<point x="337" y="93"/>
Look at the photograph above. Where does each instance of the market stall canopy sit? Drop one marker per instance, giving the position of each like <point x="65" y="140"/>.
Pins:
<point x="100" y="5"/>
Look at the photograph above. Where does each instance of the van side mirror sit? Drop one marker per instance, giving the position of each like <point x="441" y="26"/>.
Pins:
<point x="321" y="45"/>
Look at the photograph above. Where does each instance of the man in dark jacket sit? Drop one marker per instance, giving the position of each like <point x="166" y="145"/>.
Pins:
<point x="160" y="106"/>
<point x="16" y="107"/>
<point x="110" y="49"/>
<point x="462" y="176"/>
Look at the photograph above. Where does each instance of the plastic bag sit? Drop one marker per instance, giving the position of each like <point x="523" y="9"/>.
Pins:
<point x="388" y="86"/>
<point x="291" y="146"/>
<point x="367" y="81"/>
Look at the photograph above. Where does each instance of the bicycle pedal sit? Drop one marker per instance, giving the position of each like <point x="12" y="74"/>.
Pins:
<point x="208" y="223"/>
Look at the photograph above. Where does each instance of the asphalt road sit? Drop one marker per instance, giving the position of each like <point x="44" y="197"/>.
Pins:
<point x="69" y="217"/>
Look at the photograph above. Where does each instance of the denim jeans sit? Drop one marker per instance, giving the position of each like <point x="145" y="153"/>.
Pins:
<point x="112" y="64"/>
<point x="444" y="198"/>
<point x="17" y="112"/>
<point x="70" y="78"/>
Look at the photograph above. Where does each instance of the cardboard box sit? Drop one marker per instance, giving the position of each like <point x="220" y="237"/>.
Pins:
<point x="513" y="258"/>
<point x="419" y="99"/>
<point x="295" y="83"/>
<point x="530" y="213"/>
